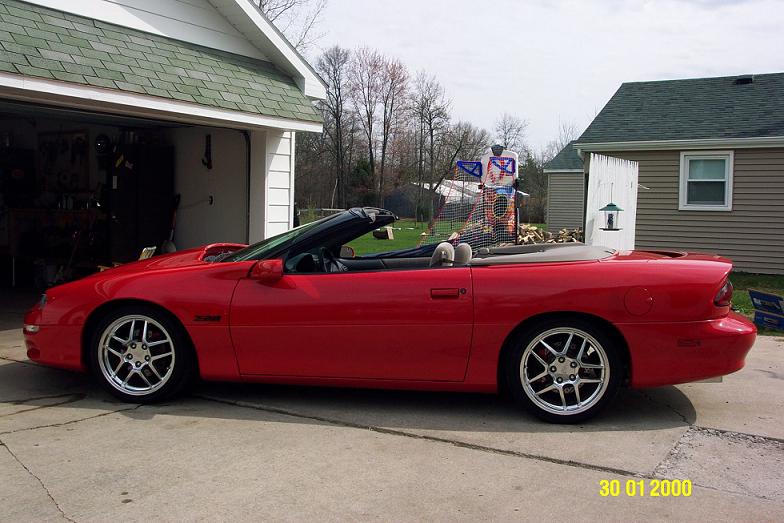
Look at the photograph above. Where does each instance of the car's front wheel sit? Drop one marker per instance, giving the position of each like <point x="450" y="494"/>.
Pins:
<point x="140" y="355"/>
<point x="564" y="370"/>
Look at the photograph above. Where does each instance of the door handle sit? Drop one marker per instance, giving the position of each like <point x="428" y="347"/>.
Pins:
<point x="441" y="294"/>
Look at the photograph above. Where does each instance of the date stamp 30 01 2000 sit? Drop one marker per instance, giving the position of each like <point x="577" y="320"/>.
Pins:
<point x="653" y="488"/>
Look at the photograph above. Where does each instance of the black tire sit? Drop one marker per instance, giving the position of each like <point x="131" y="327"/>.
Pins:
<point x="176" y="371"/>
<point x="579" y="384"/>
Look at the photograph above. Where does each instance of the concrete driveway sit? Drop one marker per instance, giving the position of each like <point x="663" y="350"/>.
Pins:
<point x="69" y="451"/>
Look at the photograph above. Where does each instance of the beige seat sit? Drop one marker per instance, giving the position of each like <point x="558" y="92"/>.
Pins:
<point x="463" y="254"/>
<point x="443" y="256"/>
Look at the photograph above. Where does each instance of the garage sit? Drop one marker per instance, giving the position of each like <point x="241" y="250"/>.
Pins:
<point x="82" y="191"/>
<point x="125" y="133"/>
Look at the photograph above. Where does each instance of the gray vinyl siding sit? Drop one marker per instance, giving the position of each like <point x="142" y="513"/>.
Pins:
<point x="565" y="200"/>
<point x="751" y="235"/>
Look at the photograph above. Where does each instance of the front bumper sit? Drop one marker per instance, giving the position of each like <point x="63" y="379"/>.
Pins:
<point x="671" y="353"/>
<point x="53" y="345"/>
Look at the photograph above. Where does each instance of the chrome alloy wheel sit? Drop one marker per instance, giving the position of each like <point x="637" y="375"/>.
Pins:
<point x="564" y="371"/>
<point x="136" y="355"/>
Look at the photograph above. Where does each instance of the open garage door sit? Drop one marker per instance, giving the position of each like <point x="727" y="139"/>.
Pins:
<point x="80" y="191"/>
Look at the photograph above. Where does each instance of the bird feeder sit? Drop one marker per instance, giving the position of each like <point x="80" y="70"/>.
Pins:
<point x="611" y="217"/>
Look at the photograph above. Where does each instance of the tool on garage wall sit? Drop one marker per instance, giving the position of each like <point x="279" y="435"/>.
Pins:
<point x="207" y="158"/>
<point x="168" y="245"/>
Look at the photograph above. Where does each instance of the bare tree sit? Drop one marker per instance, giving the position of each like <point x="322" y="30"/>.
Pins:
<point x="365" y="80"/>
<point x="462" y="140"/>
<point x="510" y="132"/>
<point x="431" y="109"/>
<point x="393" y="84"/>
<point x="333" y="67"/>
<point x="567" y="132"/>
<point x="296" y="19"/>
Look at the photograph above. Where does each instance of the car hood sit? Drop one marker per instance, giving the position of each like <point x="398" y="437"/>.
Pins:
<point x="185" y="258"/>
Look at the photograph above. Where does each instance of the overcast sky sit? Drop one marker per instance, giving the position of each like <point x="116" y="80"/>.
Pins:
<point x="553" y="61"/>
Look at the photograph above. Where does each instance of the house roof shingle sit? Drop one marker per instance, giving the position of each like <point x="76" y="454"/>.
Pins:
<point x="701" y="108"/>
<point x="46" y="43"/>
<point x="566" y="159"/>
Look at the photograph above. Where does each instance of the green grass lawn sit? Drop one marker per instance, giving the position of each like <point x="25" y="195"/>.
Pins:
<point x="406" y="234"/>
<point x="762" y="282"/>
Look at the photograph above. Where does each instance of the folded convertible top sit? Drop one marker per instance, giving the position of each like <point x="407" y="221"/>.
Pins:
<point x="543" y="254"/>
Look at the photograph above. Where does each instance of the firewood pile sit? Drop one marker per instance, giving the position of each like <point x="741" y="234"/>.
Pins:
<point x="528" y="234"/>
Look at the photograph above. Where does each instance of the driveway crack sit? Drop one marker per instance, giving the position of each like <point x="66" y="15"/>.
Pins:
<point x="67" y="398"/>
<point x="43" y="486"/>
<point x="667" y="405"/>
<point x="71" y="422"/>
<point x="435" y="439"/>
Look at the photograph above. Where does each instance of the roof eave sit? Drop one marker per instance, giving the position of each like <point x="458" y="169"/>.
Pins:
<point x="701" y="143"/>
<point x="271" y="41"/>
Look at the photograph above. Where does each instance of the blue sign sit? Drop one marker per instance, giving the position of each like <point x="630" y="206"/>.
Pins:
<point x="472" y="168"/>
<point x="767" y="302"/>
<point x="507" y="165"/>
<point x="768" y="320"/>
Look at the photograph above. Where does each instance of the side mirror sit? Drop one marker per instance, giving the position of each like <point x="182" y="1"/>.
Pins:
<point x="267" y="271"/>
<point x="347" y="252"/>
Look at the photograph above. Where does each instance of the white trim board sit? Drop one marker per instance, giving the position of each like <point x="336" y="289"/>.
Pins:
<point x="556" y="171"/>
<point x="53" y="92"/>
<point x="706" y="143"/>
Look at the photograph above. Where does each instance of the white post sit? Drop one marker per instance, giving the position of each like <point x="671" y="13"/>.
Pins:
<point x="611" y="180"/>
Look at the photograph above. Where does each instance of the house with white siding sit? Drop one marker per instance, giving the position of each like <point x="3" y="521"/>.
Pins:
<point x="109" y="109"/>
<point x="711" y="165"/>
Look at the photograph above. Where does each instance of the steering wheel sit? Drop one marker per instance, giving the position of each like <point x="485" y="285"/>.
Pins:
<point x="327" y="261"/>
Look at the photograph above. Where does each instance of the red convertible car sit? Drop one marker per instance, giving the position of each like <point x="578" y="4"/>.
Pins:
<point x="560" y="327"/>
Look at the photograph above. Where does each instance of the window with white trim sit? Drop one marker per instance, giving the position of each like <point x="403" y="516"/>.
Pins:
<point x="706" y="181"/>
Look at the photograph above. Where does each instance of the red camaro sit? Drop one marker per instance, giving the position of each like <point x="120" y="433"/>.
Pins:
<point x="561" y="327"/>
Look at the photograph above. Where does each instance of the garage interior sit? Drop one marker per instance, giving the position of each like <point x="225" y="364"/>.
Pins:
<point x="80" y="191"/>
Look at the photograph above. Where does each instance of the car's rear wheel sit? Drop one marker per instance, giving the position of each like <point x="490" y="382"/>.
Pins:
<point x="141" y="355"/>
<point x="564" y="370"/>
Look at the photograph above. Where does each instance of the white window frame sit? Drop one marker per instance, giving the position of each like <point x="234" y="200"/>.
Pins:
<point x="729" y="166"/>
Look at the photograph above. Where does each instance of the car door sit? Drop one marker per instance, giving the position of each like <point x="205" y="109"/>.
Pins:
<point x="390" y="324"/>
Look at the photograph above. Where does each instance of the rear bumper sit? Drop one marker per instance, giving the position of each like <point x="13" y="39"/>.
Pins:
<point x="670" y="353"/>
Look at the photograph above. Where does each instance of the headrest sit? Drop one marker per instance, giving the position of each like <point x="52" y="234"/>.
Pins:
<point x="463" y="254"/>
<point x="443" y="256"/>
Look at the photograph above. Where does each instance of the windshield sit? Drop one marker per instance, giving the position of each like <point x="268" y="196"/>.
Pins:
<point x="261" y="250"/>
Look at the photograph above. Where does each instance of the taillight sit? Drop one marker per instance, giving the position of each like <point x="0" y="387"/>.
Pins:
<point x="724" y="296"/>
